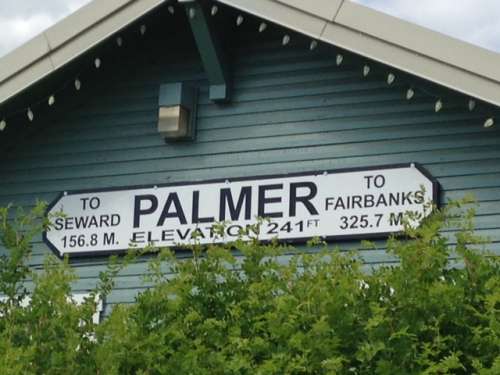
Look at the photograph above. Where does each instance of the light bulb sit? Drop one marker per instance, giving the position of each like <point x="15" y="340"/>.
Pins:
<point x="30" y="114"/>
<point x="489" y="122"/>
<point x="438" y="106"/>
<point x="339" y="59"/>
<point x="410" y="94"/>
<point x="471" y="105"/>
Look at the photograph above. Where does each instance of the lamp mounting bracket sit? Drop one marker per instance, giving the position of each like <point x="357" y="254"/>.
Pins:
<point x="209" y="48"/>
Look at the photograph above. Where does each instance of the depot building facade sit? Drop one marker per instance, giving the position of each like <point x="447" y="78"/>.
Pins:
<point x="148" y="121"/>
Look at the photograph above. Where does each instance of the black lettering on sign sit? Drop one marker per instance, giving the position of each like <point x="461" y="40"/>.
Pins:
<point x="151" y="240"/>
<point x="184" y="235"/>
<point x="109" y="239"/>
<point x="396" y="218"/>
<point x="59" y="223"/>
<point x="196" y="219"/>
<point x="104" y="221"/>
<point x="197" y="233"/>
<point x="419" y="197"/>
<point x="137" y="237"/>
<point x="381" y="201"/>
<point x="139" y="211"/>
<point x="394" y="199"/>
<point x="70" y="223"/>
<point x="234" y="230"/>
<point x="378" y="181"/>
<point x="356" y="201"/>
<point x="167" y="235"/>
<point x="173" y="198"/>
<point x="407" y="198"/>
<point x="340" y="203"/>
<point x="226" y="200"/>
<point x="369" y="200"/>
<point x="305" y="200"/>
<point x="93" y="203"/>
<point x="115" y="220"/>
<point x="263" y="200"/>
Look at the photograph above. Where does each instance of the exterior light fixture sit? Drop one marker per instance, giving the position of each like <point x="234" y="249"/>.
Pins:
<point x="313" y="45"/>
<point x="177" y="111"/>
<point x="3" y="125"/>
<point x="262" y="27"/>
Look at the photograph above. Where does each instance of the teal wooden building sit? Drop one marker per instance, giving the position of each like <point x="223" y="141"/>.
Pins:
<point x="283" y="86"/>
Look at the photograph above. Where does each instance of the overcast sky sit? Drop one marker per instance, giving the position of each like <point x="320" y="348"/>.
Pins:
<point x="23" y="19"/>
<point x="476" y="21"/>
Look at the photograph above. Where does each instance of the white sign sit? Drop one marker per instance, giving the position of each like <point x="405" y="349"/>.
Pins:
<point x="361" y="203"/>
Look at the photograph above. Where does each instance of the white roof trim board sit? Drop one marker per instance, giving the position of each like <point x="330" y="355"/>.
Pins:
<point x="413" y="49"/>
<point x="66" y="40"/>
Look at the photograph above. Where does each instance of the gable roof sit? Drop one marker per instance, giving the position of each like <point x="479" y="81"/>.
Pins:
<point x="410" y="48"/>
<point x="66" y="40"/>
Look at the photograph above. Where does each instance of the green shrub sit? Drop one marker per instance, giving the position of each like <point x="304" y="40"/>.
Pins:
<point x="260" y="310"/>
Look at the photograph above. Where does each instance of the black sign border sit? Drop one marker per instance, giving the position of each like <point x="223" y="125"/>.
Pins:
<point x="302" y="240"/>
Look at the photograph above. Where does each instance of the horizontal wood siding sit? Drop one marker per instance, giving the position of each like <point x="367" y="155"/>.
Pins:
<point x="292" y="110"/>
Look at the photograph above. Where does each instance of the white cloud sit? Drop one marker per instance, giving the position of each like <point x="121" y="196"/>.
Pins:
<point x="475" y="21"/>
<point x="21" y="20"/>
<point x="22" y="29"/>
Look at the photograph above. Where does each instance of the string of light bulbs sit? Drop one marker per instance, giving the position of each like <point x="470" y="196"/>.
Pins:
<point x="75" y="82"/>
<point x="263" y="26"/>
<point x="410" y="93"/>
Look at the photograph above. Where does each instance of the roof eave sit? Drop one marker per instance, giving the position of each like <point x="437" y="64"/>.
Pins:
<point x="66" y="41"/>
<point x="458" y="65"/>
<point x="410" y="48"/>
